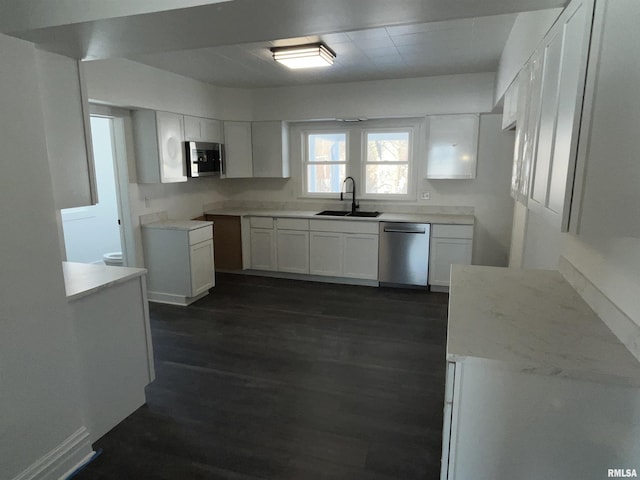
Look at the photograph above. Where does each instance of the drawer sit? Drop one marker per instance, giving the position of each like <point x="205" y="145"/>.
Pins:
<point x="200" y="235"/>
<point x="452" y="231"/>
<point x="261" y="222"/>
<point x="292" y="224"/>
<point x="342" y="226"/>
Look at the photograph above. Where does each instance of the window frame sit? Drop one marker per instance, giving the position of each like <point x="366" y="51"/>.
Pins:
<point x="356" y="151"/>
<point x="306" y="162"/>
<point x="364" y="162"/>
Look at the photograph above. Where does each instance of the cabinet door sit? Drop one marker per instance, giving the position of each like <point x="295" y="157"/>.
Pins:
<point x="170" y="137"/>
<point x="270" y="152"/>
<point x="444" y="253"/>
<point x="546" y="130"/>
<point x="293" y="251"/>
<point x="263" y="256"/>
<point x="360" y="256"/>
<point x="452" y="146"/>
<point x="67" y="130"/>
<point x="202" y="267"/>
<point x="192" y="129"/>
<point x="211" y="130"/>
<point x="325" y="253"/>
<point x="510" y="108"/>
<point x="238" y="160"/>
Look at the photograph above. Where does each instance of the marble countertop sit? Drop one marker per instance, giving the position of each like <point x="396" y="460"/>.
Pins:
<point x="186" y="225"/>
<point x="534" y="321"/>
<point x="82" y="279"/>
<point x="450" y="219"/>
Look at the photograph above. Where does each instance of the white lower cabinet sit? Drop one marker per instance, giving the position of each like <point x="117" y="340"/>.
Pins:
<point x="263" y="252"/>
<point x="344" y="249"/>
<point x="179" y="261"/>
<point x="360" y="258"/>
<point x="450" y="244"/>
<point x="325" y="253"/>
<point x="292" y="245"/>
<point x="263" y="243"/>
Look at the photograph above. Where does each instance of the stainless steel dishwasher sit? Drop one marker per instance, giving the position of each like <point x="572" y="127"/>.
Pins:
<point x="404" y="253"/>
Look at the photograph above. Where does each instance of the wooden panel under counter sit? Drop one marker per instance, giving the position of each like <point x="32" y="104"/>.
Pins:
<point x="227" y="240"/>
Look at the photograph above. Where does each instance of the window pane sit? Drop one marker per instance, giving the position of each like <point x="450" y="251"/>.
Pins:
<point x="327" y="147"/>
<point x="387" y="179"/>
<point x="388" y="147"/>
<point x="325" y="178"/>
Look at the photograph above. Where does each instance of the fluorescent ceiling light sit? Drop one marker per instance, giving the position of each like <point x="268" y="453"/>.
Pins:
<point x="304" y="56"/>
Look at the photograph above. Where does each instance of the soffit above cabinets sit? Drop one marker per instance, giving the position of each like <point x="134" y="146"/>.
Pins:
<point x="228" y="43"/>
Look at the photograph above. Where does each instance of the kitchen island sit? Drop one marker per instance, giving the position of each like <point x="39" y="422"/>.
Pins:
<point x="114" y="340"/>
<point x="537" y="385"/>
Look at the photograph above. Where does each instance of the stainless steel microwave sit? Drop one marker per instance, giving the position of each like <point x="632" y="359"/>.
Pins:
<point x="204" y="159"/>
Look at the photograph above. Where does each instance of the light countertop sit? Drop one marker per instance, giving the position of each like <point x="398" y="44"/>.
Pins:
<point x="534" y="321"/>
<point x="450" y="219"/>
<point x="81" y="279"/>
<point x="186" y="225"/>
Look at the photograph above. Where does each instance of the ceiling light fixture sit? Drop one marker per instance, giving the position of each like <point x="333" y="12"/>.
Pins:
<point x="304" y="56"/>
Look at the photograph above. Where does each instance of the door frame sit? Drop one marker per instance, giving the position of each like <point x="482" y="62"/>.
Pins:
<point x="120" y="122"/>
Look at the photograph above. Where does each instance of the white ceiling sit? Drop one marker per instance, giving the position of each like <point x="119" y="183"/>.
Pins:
<point x="456" y="46"/>
<point x="228" y="43"/>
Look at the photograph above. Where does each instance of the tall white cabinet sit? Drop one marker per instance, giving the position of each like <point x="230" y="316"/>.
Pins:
<point x="67" y="130"/>
<point x="159" y="147"/>
<point x="549" y="107"/>
<point x="179" y="259"/>
<point x="237" y="150"/>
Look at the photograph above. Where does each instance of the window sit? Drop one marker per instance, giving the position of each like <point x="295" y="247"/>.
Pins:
<point x="386" y="165"/>
<point x="378" y="154"/>
<point x="325" y="162"/>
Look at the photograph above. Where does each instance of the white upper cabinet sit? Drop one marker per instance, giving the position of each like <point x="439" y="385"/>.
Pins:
<point x="452" y="146"/>
<point x="159" y="146"/>
<point x="270" y="147"/>
<point x="198" y="129"/>
<point x="551" y="104"/>
<point x="67" y="130"/>
<point x="510" y="106"/>
<point x="238" y="158"/>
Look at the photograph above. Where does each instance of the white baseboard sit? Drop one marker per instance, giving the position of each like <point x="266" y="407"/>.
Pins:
<point x="171" y="299"/>
<point x="60" y="462"/>
<point x="307" y="277"/>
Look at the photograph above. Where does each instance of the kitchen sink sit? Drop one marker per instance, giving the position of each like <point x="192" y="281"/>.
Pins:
<point x="334" y="213"/>
<point x="364" y="214"/>
<point x="342" y="213"/>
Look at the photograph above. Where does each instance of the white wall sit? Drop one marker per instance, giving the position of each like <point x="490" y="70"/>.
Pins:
<point x="124" y="83"/>
<point x="472" y="93"/>
<point x="527" y="32"/>
<point x="605" y="243"/>
<point x="40" y="394"/>
<point x="20" y="15"/>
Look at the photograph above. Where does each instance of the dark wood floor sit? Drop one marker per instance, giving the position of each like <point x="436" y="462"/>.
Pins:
<point x="279" y="379"/>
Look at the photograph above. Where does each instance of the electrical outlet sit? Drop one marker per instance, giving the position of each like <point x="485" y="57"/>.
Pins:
<point x="425" y="196"/>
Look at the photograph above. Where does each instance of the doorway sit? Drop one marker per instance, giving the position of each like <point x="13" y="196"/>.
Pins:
<point x="94" y="231"/>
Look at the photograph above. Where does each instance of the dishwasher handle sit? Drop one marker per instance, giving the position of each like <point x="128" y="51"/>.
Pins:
<point x="420" y="231"/>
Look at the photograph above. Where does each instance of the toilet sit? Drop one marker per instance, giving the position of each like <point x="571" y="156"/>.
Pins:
<point x="113" y="259"/>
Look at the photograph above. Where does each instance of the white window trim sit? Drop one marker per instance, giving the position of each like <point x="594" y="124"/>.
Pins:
<point x="305" y="158"/>
<point x="411" y="164"/>
<point x="356" y="151"/>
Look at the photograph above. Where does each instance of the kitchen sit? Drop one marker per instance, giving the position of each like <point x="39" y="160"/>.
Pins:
<point x="603" y="250"/>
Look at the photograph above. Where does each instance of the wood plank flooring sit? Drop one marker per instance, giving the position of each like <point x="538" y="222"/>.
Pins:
<point x="280" y="379"/>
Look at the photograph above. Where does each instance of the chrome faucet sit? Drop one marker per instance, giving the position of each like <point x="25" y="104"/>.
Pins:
<point x="354" y="205"/>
